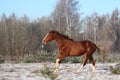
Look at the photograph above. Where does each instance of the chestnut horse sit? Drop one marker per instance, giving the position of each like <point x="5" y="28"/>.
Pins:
<point x="69" y="47"/>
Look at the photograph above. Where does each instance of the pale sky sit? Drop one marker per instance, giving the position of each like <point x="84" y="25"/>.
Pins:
<point x="38" y="8"/>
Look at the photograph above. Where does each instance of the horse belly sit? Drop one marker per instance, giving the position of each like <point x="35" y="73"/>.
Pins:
<point x="77" y="51"/>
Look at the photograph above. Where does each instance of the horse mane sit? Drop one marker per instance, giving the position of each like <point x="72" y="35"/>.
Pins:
<point x="62" y="35"/>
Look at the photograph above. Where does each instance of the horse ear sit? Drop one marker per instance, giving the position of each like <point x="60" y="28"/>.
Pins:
<point x="52" y="30"/>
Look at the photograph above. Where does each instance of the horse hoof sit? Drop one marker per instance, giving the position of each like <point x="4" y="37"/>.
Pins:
<point x="56" y="71"/>
<point x="77" y="72"/>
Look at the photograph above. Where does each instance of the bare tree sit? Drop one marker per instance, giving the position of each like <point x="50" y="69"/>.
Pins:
<point x="115" y="23"/>
<point x="91" y="26"/>
<point x="66" y="17"/>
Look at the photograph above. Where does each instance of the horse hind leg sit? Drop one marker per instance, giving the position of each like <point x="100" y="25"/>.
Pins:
<point x="93" y="66"/>
<point x="92" y="62"/>
<point x="84" y="63"/>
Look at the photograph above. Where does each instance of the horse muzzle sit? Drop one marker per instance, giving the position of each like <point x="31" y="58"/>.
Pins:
<point x="42" y="46"/>
<point x="43" y="42"/>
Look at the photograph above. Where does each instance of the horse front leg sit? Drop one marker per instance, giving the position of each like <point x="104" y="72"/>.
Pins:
<point x="57" y="65"/>
<point x="58" y="61"/>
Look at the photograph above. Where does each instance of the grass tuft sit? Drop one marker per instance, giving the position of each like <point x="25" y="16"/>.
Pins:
<point x="47" y="73"/>
<point x="1" y="59"/>
<point x="115" y="70"/>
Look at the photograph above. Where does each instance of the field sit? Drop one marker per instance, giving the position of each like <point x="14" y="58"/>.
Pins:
<point x="32" y="71"/>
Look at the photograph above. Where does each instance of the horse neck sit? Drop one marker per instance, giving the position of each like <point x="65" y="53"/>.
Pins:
<point x="60" y="41"/>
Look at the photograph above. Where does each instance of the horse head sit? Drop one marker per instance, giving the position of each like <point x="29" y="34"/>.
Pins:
<point x="49" y="37"/>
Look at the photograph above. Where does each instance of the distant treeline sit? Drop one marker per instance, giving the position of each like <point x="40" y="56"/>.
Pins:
<point x="20" y="36"/>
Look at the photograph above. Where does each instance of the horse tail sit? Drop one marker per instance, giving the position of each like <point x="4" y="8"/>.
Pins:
<point x="102" y="53"/>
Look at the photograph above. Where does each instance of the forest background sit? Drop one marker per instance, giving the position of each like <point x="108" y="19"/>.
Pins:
<point x="20" y="36"/>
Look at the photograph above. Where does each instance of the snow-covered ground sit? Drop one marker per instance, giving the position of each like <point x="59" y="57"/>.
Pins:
<point x="31" y="71"/>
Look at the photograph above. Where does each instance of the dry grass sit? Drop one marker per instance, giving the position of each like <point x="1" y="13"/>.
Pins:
<point x="116" y="69"/>
<point x="1" y="59"/>
<point x="47" y="73"/>
<point x="43" y="56"/>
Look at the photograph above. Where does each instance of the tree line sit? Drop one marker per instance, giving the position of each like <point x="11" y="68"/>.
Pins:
<point x="20" y="35"/>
